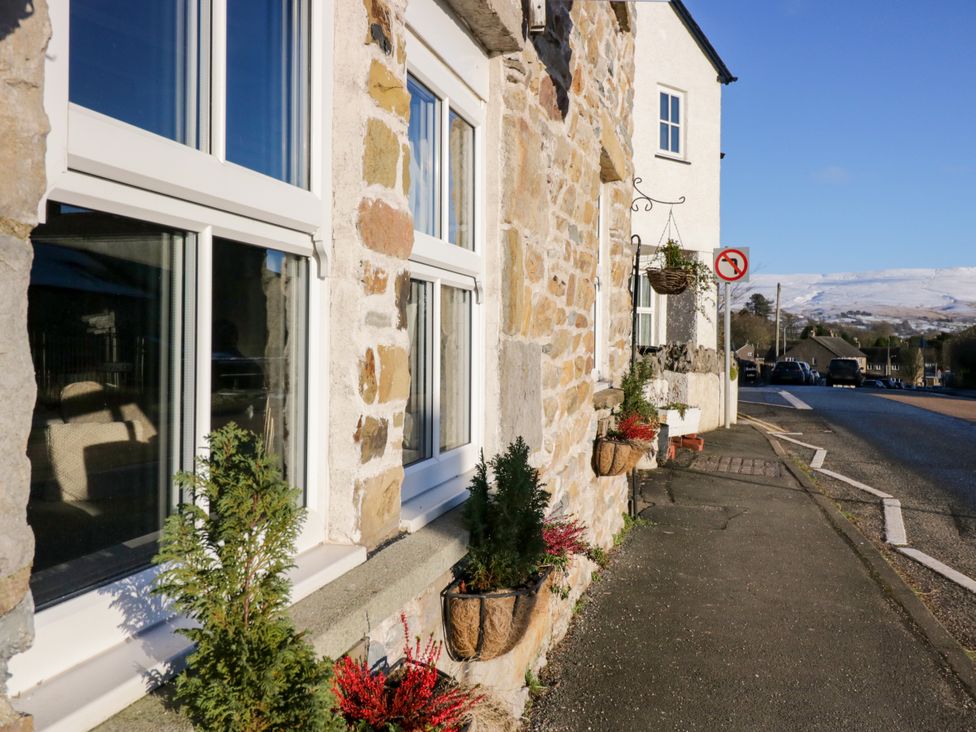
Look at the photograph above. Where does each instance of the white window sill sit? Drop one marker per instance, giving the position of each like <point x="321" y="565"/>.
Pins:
<point x="424" y="508"/>
<point x="96" y="689"/>
<point x="672" y="158"/>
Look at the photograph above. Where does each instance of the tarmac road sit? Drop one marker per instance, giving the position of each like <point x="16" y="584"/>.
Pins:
<point x="901" y="443"/>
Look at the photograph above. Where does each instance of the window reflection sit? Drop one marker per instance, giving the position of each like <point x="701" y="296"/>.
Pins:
<point x="424" y="134"/>
<point x="267" y="87"/>
<point x="455" y="413"/>
<point x="417" y="422"/>
<point x="137" y="62"/>
<point x="461" y="156"/>
<point x="258" y="356"/>
<point x="105" y="308"/>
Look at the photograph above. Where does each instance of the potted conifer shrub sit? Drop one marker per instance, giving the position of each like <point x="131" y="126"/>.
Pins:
<point x="489" y="606"/>
<point x="224" y="556"/>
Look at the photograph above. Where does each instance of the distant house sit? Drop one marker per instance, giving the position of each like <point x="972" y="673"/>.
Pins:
<point x="746" y="353"/>
<point x="878" y="362"/>
<point x="819" y="350"/>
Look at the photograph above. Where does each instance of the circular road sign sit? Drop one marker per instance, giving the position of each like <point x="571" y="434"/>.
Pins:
<point x="731" y="264"/>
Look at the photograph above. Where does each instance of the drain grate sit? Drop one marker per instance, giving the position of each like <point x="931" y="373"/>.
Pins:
<point x="737" y="465"/>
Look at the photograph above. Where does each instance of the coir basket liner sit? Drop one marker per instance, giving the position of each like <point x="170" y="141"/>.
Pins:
<point x="480" y="627"/>
<point x="669" y="280"/>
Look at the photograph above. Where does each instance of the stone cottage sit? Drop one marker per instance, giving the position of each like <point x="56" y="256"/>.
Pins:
<point x="383" y="234"/>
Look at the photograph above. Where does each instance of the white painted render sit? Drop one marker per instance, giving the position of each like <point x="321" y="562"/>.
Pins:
<point x="668" y="57"/>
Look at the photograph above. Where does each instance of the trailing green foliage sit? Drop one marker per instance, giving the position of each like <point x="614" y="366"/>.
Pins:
<point x="701" y="279"/>
<point x="632" y="385"/>
<point x="225" y="568"/>
<point x="505" y="525"/>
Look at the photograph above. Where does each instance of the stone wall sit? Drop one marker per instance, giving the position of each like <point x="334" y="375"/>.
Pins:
<point x="372" y="239"/>
<point x="24" y="33"/>
<point x="559" y="127"/>
<point x="564" y="106"/>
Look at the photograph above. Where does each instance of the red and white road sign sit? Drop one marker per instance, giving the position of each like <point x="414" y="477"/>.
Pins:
<point x="732" y="264"/>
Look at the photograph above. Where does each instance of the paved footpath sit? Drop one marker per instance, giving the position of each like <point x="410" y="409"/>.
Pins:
<point x="741" y="607"/>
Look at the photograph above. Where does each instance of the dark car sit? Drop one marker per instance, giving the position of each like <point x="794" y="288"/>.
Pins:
<point x="748" y="372"/>
<point x="844" y="371"/>
<point x="788" y="372"/>
<point x="807" y="373"/>
<point x="873" y="384"/>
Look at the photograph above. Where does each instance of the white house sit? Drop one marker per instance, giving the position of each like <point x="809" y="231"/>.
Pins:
<point x="679" y="78"/>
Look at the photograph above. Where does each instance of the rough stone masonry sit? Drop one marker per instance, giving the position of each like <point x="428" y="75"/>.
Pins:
<point x="24" y="33"/>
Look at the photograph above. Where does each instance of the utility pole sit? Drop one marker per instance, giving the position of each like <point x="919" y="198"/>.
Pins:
<point x="778" y="286"/>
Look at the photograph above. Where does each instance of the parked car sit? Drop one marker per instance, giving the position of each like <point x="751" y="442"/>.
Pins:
<point x="807" y="373"/>
<point x="817" y="377"/>
<point x="892" y="383"/>
<point x="844" y="371"/>
<point x="873" y="384"/>
<point x="748" y="372"/>
<point x="788" y="372"/>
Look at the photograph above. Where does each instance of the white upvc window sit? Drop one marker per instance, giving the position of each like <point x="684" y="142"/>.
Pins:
<point x="602" y="286"/>
<point x="165" y="194"/>
<point x="442" y="433"/>
<point x="671" y="122"/>
<point x="647" y="307"/>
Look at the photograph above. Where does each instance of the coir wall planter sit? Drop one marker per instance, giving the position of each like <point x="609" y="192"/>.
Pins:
<point x="480" y="627"/>
<point x="614" y="457"/>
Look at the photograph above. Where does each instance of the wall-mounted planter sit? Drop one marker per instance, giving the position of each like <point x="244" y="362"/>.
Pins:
<point x="482" y="626"/>
<point x="681" y="425"/>
<point x="614" y="457"/>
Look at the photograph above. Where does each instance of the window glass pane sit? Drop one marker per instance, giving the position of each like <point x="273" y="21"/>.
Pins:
<point x="675" y="139"/>
<point x="665" y="107"/>
<point x="105" y="312"/>
<point x="267" y="87"/>
<point x="461" y="155"/>
<point x="644" y="296"/>
<point x="423" y="132"/>
<point x="665" y="135"/>
<point x="417" y="422"/>
<point x="644" y="321"/>
<point x="258" y="371"/>
<point x="136" y="62"/>
<point x="455" y="424"/>
<point x="675" y="110"/>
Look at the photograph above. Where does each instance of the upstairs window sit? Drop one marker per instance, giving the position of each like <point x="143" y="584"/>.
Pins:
<point x="671" y="115"/>
<point x="234" y="84"/>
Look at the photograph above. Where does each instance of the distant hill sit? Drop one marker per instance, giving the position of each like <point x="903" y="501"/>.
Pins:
<point x="928" y="299"/>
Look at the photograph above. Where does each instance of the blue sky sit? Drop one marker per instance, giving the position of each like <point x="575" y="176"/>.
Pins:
<point x="850" y="137"/>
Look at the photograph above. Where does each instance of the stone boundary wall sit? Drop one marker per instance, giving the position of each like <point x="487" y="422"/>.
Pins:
<point x="24" y="33"/>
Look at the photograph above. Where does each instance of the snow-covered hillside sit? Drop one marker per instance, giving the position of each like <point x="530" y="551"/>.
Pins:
<point x="943" y="299"/>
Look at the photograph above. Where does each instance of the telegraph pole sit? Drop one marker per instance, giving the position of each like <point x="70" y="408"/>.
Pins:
<point x="777" y="319"/>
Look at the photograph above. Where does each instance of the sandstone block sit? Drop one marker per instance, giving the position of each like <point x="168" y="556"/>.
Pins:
<point x="379" y="501"/>
<point x="388" y="89"/>
<point x="378" y="25"/>
<point x="381" y="154"/>
<point x="371" y="434"/>
<point x="385" y="229"/>
<point x="402" y="298"/>
<point x="374" y="279"/>
<point x="613" y="160"/>
<point x="520" y="366"/>
<point x="497" y="24"/>
<point x="513" y="290"/>
<point x="394" y="373"/>
<point x="367" y="377"/>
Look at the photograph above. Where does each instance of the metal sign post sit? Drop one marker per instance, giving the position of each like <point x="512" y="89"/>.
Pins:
<point x="731" y="265"/>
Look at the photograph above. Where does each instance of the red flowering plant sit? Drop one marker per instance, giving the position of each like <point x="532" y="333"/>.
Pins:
<point x="634" y="428"/>
<point x="413" y="698"/>
<point x="564" y="539"/>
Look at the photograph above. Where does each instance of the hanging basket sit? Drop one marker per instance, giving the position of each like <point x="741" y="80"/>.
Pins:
<point x="614" y="457"/>
<point x="482" y="626"/>
<point x="668" y="280"/>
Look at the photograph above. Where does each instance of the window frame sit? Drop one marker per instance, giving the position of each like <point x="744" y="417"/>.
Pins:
<point x="440" y="263"/>
<point x="681" y="125"/>
<point x="85" y="166"/>
<point x="602" y="284"/>
<point x="650" y="311"/>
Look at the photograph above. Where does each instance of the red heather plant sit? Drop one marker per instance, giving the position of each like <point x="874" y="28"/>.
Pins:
<point x="636" y="429"/>
<point x="412" y="699"/>
<point x="564" y="537"/>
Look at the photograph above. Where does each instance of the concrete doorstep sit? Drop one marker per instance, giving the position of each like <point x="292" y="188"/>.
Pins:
<point x="749" y="602"/>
